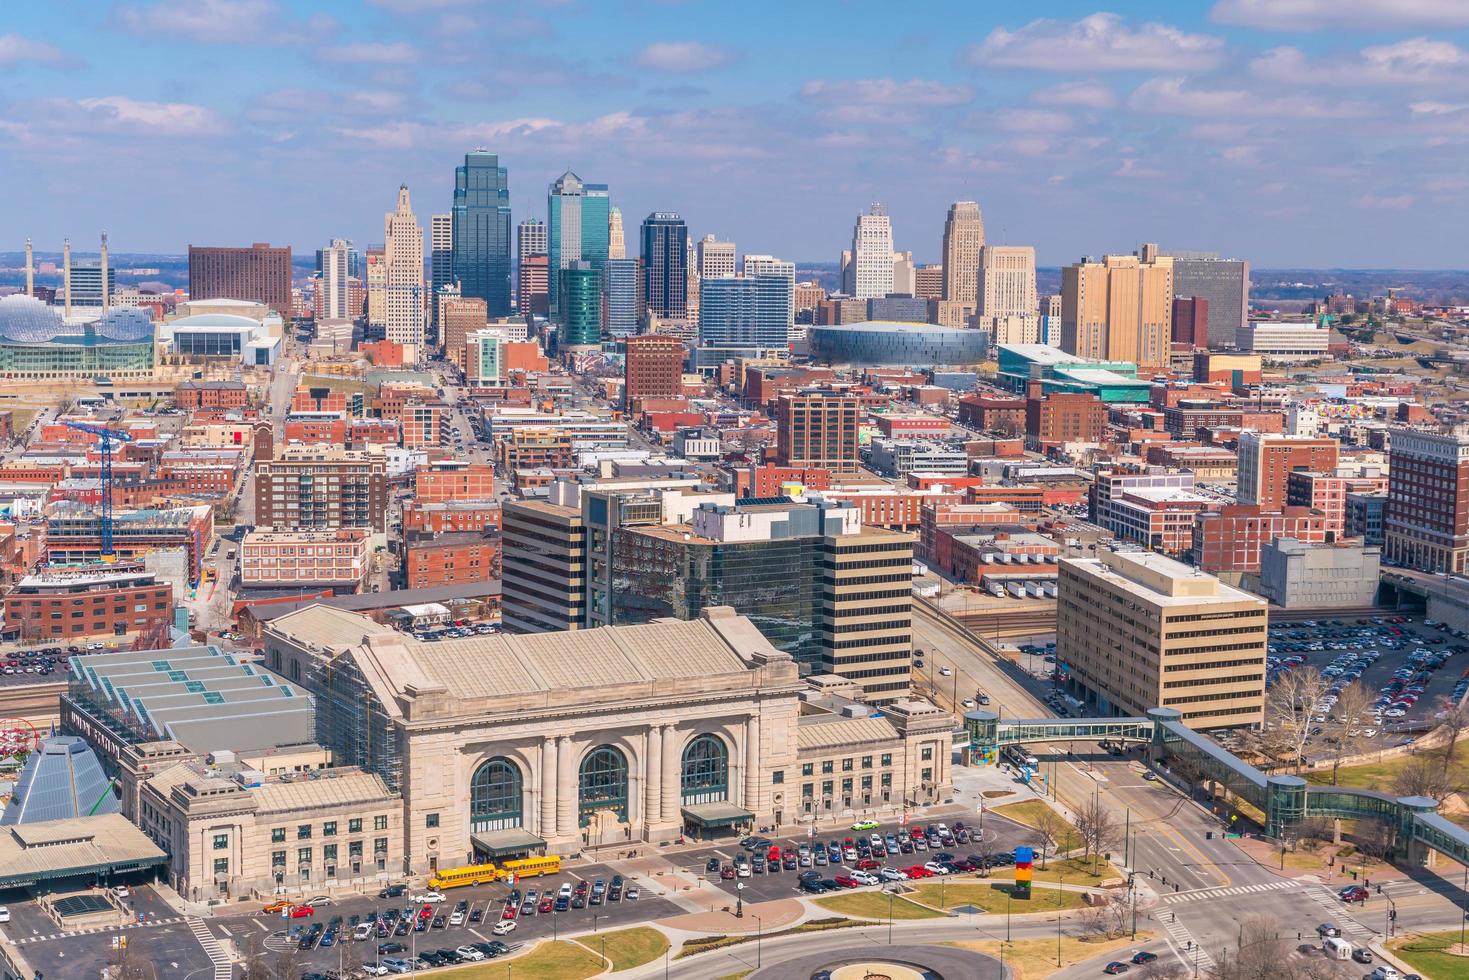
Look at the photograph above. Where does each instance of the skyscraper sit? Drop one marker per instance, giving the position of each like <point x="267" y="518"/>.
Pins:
<point x="665" y="250"/>
<point x="579" y="320"/>
<point x="481" y="231"/>
<point x="1427" y="521"/>
<point x="1006" y="297"/>
<point x="769" y="265"/>
<point x="441" y="261"/>
<point x="403" y="268"/>
<point x="377" y="290"/>
<point x="872" y="254"/>
<point x="531" y="238"/>
<point x="1224" y="283"/>
<point x="716" y="258"/>
<point x="963" y="241"/>
<point x="258" y="273"/>
<point x="620" y="297"/>
<point x="1119" y="309"/>
<point x="616" y="241"/>
<point x="335" y="261"/>
<point x="755" y="311"/>
<point x="576" y="226"/>
<point x="535" y="286"/>
<point x="531" y="278"/>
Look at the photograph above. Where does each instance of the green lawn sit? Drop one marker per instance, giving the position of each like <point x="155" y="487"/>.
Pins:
<point x="993" y="896"/>
<point x="628" y="948"/>
<point x="872" y="905"/>
<point x="1380" y="775"/>
<point x="550" y="961"/>
<point x="1424" y="954"/>
<point x="1023" y="813"/>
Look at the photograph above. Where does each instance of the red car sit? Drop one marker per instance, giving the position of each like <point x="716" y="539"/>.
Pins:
<point x="917" y="871"/>
<point x="547" y="904"/>
<point x="302" y="911"/>
<point x="868" y="864"/>
<point x="846" y="881"/>
<point x="918" y="834"/>
<point x="727" y="872"/>
<point x="427" y="912"/>
<point x="774" y="854"/>
<point x="1354" y="893"/>
<point x="509" y="913"/>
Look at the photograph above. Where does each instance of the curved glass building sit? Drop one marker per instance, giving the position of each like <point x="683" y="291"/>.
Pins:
<point x="36" y="343"/>
<point x="881" y="343"/>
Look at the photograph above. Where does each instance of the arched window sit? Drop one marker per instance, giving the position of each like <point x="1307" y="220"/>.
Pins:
<point x="705" y="770"/>
<point x="603" y="784"/>
<point x="495" y="796"/>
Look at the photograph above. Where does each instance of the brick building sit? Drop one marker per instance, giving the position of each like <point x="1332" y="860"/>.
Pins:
<point x="66" y="605"/>
<point x="1062" y="417"/>
<point x="1327" y="492"/>
<point x="259" y="273"/>
<point x="421" y="425"/>
<point x="450" y="559"/>
<point x="449" y="480"/>
<point x="653" y="368"/>
<point x="992" y="414"/>
<point x="453" y="515"/>
<point x="194" y="395"/>
<point x="818" y="428"/>
<point x="1266" y="460"/>
<point x="1426" y="524"/>
<point x="319" y="488"/>
<point x="339" y="559"/>
<point x="1230" y="539"/>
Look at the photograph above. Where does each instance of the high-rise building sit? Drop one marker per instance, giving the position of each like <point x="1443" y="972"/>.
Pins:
<point x="403" y="260"/>
<point x="963" y="242"/>
<point x="86" y="283"/>
<point x="872" y="254"/>
<point x="579" y="320"/>
<point x="481" y="231"/>
<point x="1426" y="522"/>
<point x="1223" y="283"/>
<point x="756" y="311"/>
<point x="258" y="273"/>
<point x="377" y="290"/>
<point x="1007" y="297"/>
<point x="1119" y="309"/>
<point x="620" y="297"/>
<point x="928" y="281"/>
<point x="769" y="265"/>
<point x="817" y="428"/>
<point x="904" y="274"/>
<point x="319" y="488"/>
<point x="577" y="227"/>
<point x="441" y="261"/>
<point x="461" y="317"/>
<point x="1190" y="322"/>
<point x="616" y="240"/>
<point x="336" y="260"/>
<point x="532" y="238"/>
<point x="716" y="259"/>
<point x="653" y="367"/>
<point x="1266" y="460"/>
<point x="1051" y="320"/>
<point x="665" y="253"/>
<point x="544" y="567"/>
<point x="1139" y="631"/>
<point x="532" y="279"/>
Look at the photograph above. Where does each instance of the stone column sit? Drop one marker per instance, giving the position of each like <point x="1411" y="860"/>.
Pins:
<point x="652" y="766"/>
<point x="671" y="782"/>
<point x="752" y="764"/>
<point x="566" y="791"/>
<point x="548" y="788"/>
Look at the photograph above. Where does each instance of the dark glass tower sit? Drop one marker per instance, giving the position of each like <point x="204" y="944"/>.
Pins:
<point x="665" y="240"/>
<point x="482" y="242"/>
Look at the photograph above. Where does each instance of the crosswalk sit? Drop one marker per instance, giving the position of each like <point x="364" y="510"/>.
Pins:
<point x="1179" y="898"/>
<point x="38" y="938"/>
<point x="213" y="948"/>
<point x="1187" y="947"/>
<point x="1349" y="926"/>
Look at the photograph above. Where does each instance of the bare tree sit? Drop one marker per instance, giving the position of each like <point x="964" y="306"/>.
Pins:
<point x="1097" y="827"/>
<point x="254" y="965"/>
<point x="1163" y="969"/>
<point x="1375" y="838"/>
<point x="1425" y="776"/>
<point x="1290" y="705"/>
<point x="288" y="959"/>
<point x="1049" y="826"/>
<point x="1263" y="953"/>
<point x="1455" y="720"/>
<point x="1346" y="722"/>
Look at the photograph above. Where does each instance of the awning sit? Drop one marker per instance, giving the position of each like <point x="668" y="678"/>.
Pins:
<point x="514" y="840"/>
<point x="719" y="814"/>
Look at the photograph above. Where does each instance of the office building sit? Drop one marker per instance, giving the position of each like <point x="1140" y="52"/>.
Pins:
<point x="101" y="600"/>
<point x="963" y="246"/>
<point x="716" y="259"/>
<point x="534" y="297"/>
<point x="616" y="239"/>
<point x="576" y="228"/>
<point x="454" y="558"/>
<point x="897" y="309"/>
<point x="460" y="318"/>
<point x="871" y="264"/>
<point x="86" y="285"/>
<point x="579" y="317"/>
<point x="1139" y="631"/>
<point x="1223" y="284"/>
<point x="1007" y="307"/>
<point x="321" y="489"/>
<point x="652" y="368"/>
<point x="531" y="238"/>
<point x="1365" y="514"/>
<point x="1284" y="342"/>
<point x="336" y="261"/>
<point x="817" y="428"/>
<point x="1190" y="322"/>
<point x="1426" y="525"/>
<point x="1328" y="492"/>
<point x="259" y="273"/>
<point x="481" y="231"/>
<point x="376" y="291"/>
<point x="1228" y="540"/>
<point x="621" y="299"/>
<point x="665" y="254"/>
<point x="403" y="320"/>
<point x="339" y="559"/>
<point x="1297" y="575"/>
<point x="441" y="263"/>
<point x="769" y="265"/>
<point x="1266" y="460"/>
<point x="1119" y="309"/>
<point x="1060" y="417"/>
<point x="928" y="281"/>
<point x="544" y="567"/>
<point x="755" y="311"/>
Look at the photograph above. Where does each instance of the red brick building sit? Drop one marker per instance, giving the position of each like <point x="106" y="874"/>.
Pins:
<point x="421" y="424"/>
<point x="454" y="480"/>
<point x="1187" y="418"/>
<point x="1230" y="539"/>
<point x="1062" y="417"/>
<point x="653" y="368"/>
<point x="818" y="428"/>
<point x="194" y="395"/>
<point x="451" y="559"/>
<point x="67" y="605"/>
<point x="1327" y="492"/>
<point x="259" y="273"/>
<point x="311" y="398"/>
<point x="454" y="515"/>
<point x="1190" y="322"/>
<point x="1266" y="460"/>
<point x="993" y="414"/>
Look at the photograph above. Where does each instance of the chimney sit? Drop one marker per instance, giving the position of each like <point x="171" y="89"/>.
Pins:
<point x="105" y="297"/>
<point x="30" y="270"/>
<point x="66" y="275"/>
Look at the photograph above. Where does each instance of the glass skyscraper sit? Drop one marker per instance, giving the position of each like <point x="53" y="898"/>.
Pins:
<point x="665" y="251"/>
<point x="620" y="297"/>
<point x="750" y="312"/>
<point x="577" y="215"/>
<point x="481" y="231"/>
<point x="579" y="321"/>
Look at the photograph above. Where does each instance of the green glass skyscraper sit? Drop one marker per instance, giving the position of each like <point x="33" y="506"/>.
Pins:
<point x="481" y="249"/>
<point x="579" y="320"/>
<point x="576" y="224"/>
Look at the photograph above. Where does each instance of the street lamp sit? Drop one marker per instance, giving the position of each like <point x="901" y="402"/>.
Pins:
<point x="759" y="936"/>
<point x="739" y="900"/>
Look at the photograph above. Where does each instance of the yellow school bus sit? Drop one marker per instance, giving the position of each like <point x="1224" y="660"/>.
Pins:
<point x="478" y="874"/>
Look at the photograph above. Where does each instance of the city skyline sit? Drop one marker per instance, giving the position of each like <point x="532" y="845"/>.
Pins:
<point x="1081" y="133"/>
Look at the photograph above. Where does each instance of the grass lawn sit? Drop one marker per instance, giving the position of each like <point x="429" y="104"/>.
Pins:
<point x="703" y="944"/>
<point x="1031" y="959"/>
<point x="1023" y="813"/>
<point x="1379" y="775"/>
<point x="872" y="905"/>
<point x="628" y="948"/>
<point x="993" y="896"/>
<point x="550" y="961"/>
<point x="737" y="976"/>
<point x="1423" y="954"/>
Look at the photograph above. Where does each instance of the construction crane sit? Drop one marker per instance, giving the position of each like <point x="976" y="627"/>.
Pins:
<point x="105" y="439"/>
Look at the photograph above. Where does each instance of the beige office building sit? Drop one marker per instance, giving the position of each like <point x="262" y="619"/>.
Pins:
<point x="1119" y="309"/>
<point x="458" y="318"/>
<point x="403" y="302"/>
<point x="1007" y="296"/>
<point x="1138" y="631"/>
<point x="544" y="557"/>
<point x="963" y="243"/>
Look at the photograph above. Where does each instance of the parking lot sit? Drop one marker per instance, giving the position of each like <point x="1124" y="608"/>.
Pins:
<point x="483" y="909"/>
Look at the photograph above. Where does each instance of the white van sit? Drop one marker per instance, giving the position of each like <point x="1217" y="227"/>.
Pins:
<point x="363" y="932"/>
<point x="1336" y="948"/>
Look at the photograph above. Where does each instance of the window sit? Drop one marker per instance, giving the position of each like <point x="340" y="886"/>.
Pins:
<point x="303" y="832"/>
<point x="887" y="759"/>
<point x="778" y="777"/>
<point x="354" y="826"/>
<point x="495" y="795"/>
<point x="221" y="841"/>
<point x="826" y="766"/>
<point x="846" y="787"/>
<point x="277" y="859"/>
<point x="807" y="768"/>
<point x="303" y="855"/>
<point x="826" y="787"/>
<point x="221" y="866"/>
<point x="927" y="775"/>
<point x="329" y="852"/>
<point x="927" y="754"/>
<point x="808" y="790"/>
<point x="431" y="820"/>
<point x="847" y="765"/>
<point x="329" y="829"/>
<point x="705" y="774"/>
<point x="354" y="849"/>
<point x="887" y="780"/>
<point x="380" y="822"/>
<point x="379" y="845"/>
<point x="867" y="762"/>
<point x="602" y="784"/>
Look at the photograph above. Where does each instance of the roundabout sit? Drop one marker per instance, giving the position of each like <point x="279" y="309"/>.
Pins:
<point x="892" y="962"/>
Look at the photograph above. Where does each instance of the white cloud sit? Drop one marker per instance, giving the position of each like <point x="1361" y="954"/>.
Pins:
<point x="885" y="92"/>
<point x="158" y="118"/>
<point x="682" y="56"/>
<point x="1083" y="95"/>
<point x="1317" y="15"/>
<point x="1415" y="61"/>
<point x="1437" y="108"/>
<point x="1394" y="202"/>
<point x="1100" y="42"/>
<point x="1174" y="97"/>
<point x="372" y="53"/>
<point x="15" y="49"/>
<point x="1032" y="120"/>
<point x="217" y="21"/>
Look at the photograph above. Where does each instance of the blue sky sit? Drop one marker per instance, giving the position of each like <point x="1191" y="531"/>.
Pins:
<point x="1289" y="132"/>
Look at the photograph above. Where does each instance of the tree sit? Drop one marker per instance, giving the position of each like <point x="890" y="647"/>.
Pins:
<point x="1375" y="838"/>
<point x="1455" y="720"/>
<point x="1290" y="704"/>
<point x="1049" y="826"/>
<point x="1263" y="953"/>
<point x="1346" y="718"/>
<point x="1097" y="827"/>
<point x="254" y="965"/>
<point x="1423" y="776"/>
<point x="1163" y="968"/>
